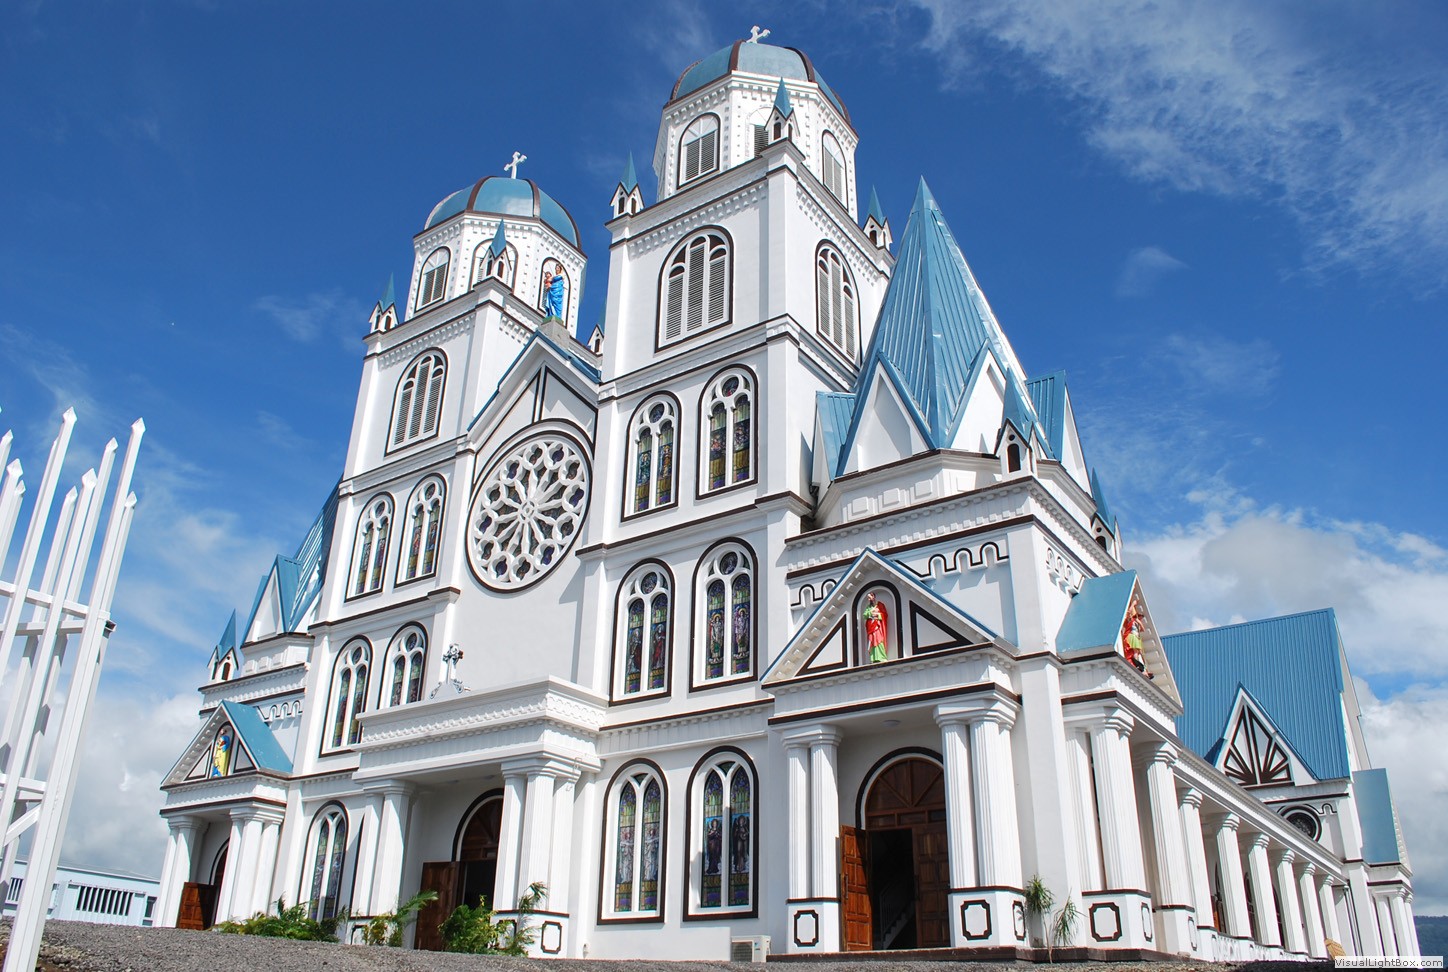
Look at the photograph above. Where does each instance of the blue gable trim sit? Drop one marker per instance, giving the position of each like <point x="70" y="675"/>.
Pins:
<point x="1096" y="613"/>
<point x="257" y="737"/>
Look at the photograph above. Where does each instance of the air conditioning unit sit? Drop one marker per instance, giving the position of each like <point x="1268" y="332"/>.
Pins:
<point x="753" y="949"/>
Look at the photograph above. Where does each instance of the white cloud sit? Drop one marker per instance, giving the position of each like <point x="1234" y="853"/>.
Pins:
<point x="1335" y="115"/>
<point x="1143" y="268"/>
<point x="1211" y="364"/>
<point x="317" y="314"/>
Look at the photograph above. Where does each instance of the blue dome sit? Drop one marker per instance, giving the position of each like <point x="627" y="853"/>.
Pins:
<point x="752" y="58"/>
<point x="502" y="196"/>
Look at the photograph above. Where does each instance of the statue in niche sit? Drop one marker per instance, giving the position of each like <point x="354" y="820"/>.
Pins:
<point x="877" y="620"/>
<point x="221" y="753"/>
<point x="1131" y="631"/>
<point x="553" y="297"/>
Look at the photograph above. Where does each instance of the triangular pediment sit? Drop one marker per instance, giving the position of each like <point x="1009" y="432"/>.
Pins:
<point x="541" y="383"/>
<point x="232" y="742"/>
<point x="1103" y="617"/>
<point x="887" y="425"/>
<point x="915" y="622"/>
<point x="1253" y="751"/>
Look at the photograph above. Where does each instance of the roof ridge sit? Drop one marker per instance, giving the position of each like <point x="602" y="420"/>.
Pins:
<point x="1243" y="624"/>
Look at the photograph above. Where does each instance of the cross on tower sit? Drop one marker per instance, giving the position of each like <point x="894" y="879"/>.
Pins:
<point x="757" y="34"/>
<point x="512" y="167"/>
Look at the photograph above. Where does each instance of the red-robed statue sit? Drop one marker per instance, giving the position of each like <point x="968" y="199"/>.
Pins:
<point x="877" y="619"/>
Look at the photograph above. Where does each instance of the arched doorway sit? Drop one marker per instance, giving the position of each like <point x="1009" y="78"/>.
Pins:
<point x="470" y="875"/>
<point x="897" y="895"/>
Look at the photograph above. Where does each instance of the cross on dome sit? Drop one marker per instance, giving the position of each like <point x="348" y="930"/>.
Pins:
<point x="512" y="167"/>
<point x="757" y="34"/>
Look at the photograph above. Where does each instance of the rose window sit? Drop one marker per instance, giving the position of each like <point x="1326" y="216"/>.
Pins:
<point x="528" y="512"/>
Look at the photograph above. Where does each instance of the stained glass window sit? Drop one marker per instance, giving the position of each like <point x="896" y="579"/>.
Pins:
<point x="349" y="694"/>
<point x="424" y="521"/>
<point x="637" y="834"/>
<point x="624" y="873"/>
<point x="408" y="654"/>
<point x="726" y="613"/>
<point x="728" y="431"/>
<point x="718" y="418"/>
<point x="634" y="671"/>
<point x="658" y="639"/>
<point x="652" y="448"/>
<point x="726" y="836"/>
<point x="373" y="529"/>
<point x="710" y="896"/>
<point x="329" y="858"/>
<point x="714" y="625"/>
<point x="646" y="608"/>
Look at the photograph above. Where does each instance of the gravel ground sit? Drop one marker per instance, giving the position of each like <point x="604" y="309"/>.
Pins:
<point x="78" y="947"/>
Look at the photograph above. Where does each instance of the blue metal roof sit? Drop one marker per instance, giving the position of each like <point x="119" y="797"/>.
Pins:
<point x="630" y="175"/>
<point x="933" y="324"/>
<point x="1096" y="613"/>
<point x="1375" y="813"/>
<point x="228" y="636"/>
<point x="1098" y="495"/>
<point x="754" y="58"/>
<point x="502" y="196"/>
<point x="834" y="410"/>
<point x="299" y="577"/>
<point x="1048" y="397"/>
<point x="874" y="210"/>
<point x="1292" y="668"/>
<point x="389" y="295"/>
<point x="781" y="100"/>
<point x="1017" y="412"/>
<point x="257" y="737"/>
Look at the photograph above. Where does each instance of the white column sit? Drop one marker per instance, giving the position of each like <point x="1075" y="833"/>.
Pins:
<point x="825" y="798"/>
<point x="367" y="820"/>
<point x="1287" y="898"/>
<point x="998" y="841"/>
<point x="1401" y="930"/>
<point x="1234" y="892"/>
<point x="391" y="845"/>
<point x="266" y="860"/>
<point x="180" y="850"/>
<point x="1172" y="877"/>
<point x="1311" y="915"/>
<point x="1191" y="810"/>
<point x="510" y="837"/>
<point x="959" y="814"/>
<point x="1116" y="794"/>
<point x="561" y="870"/>
<point x="1386" y="933"/>
<point x="1327" y="903"/>
<point x="1088" y="833"/>
<point x="537" y="830"/>
<point x="797" y="756"/>
<point x="1415" y="948"/>
<point x="227" y="893"/>
<point x="1262" y="897"/>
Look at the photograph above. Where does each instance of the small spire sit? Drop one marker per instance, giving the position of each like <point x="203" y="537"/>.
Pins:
<point x="630" y="175"/>
<point x="500" y="241"/>
<point x="923" y="199"/>
<point x="781" y="100"/>
<point x="389" y="296"/>
<point x="875" y="212"/>
<point x="1098" y="496"/>
<point x="228" y="637"/>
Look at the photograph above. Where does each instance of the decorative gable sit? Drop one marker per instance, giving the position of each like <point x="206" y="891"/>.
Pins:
<point x="234" y="741"/>
<point x="1110" y="614"/>
<point x="876" y="614"/>
<point x="1254" y="752"/>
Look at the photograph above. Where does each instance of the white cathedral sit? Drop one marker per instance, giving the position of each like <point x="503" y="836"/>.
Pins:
<point x="778" y="612"/>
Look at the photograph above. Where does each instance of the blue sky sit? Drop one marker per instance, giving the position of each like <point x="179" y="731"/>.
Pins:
<point x="1228" y="223"/>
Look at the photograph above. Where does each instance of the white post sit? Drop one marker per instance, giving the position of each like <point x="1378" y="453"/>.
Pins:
<point x="1311" y="915"/>
<point x="1287" y="898"/>
<point x="824" y="781"/>
<point x="959" y="813"/>
<point x="1327" y="903"/>
<point x="1191" y="807"/>
<point x="797" y="755"/>
<point x="1262" y="898"/>
<point x="1229" y="855"/>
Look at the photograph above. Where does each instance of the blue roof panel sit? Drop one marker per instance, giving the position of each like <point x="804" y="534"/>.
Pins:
<point x="257" y="737"/>
<point x="834" y="410"/>
<point x="1291" y="666"/>
<point x="1375" y="811"/>
<point x="1048" y="396"/>
<point x="1096" y="613"/>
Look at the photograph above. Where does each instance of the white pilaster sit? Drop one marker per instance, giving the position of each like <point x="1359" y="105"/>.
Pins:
<point x="1386" y="934"/>
<point x="797" y="757"/>
<point x="825" y="798"/>
<point x="537" y="830"/>
<point x="1116" y="794"/>
<point x="366" y="819"/>
<point x="1402" y="931"/>
<point x="998" y="842"/>
<point x="234" y="854"/>
<point x="1287" y="897"/>
<point x="1234" y="890"/>
<point x="1191" y="809"/>
<point x="510" y="837"/>
<point x="180" y="861"/>
<point x="1088" y="833"/>
<point x="1262" y="897"/>
<point x="959" y="815"/>
<point x="391" y="845"/>
<point x="1173" y="879"/>
<point x="1311" y="913"/>
<point x="270" y="823"/>
<point x="1327" y="904"/>
<point x="561" y="870"/>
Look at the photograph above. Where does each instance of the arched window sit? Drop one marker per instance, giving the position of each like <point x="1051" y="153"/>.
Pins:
<point x="724" y="608"/>
<point x="694" y="295"/>
<point x="722" y="798"/>
<point x="432" y="282"/>
<point x="833" y="166"/>
<point x="726" y="413"/>
<point x="419" y="399"/>
<point x="406" y="663"/>
<point x="349" y="695"/>
<point x="326" y="860"/>
<point x="370" y="550"/>
<point x="652" y="438"/>
<point x="499" y="266"/>
<point x="699" y="148"/>
<point x="423" y="523"/>
<point x="643" y="632"/>
<point x="551" y="267"/>
<point x="634" y="844"/>
<point x="835" y="293"/>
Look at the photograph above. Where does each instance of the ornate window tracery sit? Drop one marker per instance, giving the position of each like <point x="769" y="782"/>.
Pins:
<point x="652" y="456"/>
<point x="634" y="843"/>
<point x="724" y="599"/>
<point x="327" y="858"/>
<point x="406" y="665"/>
<point x="835" y="294"/>
<point x="528" y="511"/>
<point x="699" y="148"/>
<point x="644" y="632"/>
<point x="418" y="404"/>
<point x="349" y="695"/>
<point x="694" y="293"/>
<point x="1255" y="757"/>
<point x="723" y="798"/>
<point x="424" y="530"/>
<point x="727" y="415"/>
<point x="374" y="529"/>
<point x="432" y="281"/>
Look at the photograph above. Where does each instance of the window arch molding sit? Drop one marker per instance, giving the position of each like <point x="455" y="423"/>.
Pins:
<point x="405" y="668"/>
<point x="432" y="277"/>
<point x="643" y="632"/>
<point x="696" y="286"/>
<point x="836" y="301"/>
<point x="884" y="763"/>
<point x="370" y="545"/>
<point x="719" y="626"/>
<point x="731" y="858"/>
<point x="347" y="696"/>
<point x="422" y="520"/>
<point x="326" y="863"/>
<point x="635" y="845"/>
<point x="699" y="147"/>
<point x="652" y="469"/>
<point x="496" y="266"/>
<point x="417" y="403"/>
<point x="728" y="431"/>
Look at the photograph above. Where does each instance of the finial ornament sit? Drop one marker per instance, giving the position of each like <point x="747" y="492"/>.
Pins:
<point x="512" y="167"/>
<point x="757" y="34"/>
<point x="450" y="658"/>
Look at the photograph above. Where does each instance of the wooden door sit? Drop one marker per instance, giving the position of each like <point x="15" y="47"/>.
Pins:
<point x="442" y="877"/>
<point x="858" y="917"/>
<point x="932" y="886"/>
<point x="198" y="906"/>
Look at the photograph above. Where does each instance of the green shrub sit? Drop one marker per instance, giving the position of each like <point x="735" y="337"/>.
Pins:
<point x="477" y="931"/>
<point x="387" y="929"/>
<point x="290" y="922"/>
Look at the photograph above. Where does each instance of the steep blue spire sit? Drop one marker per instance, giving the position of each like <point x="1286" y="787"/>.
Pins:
<point x="1102" y="510"/>
<point x="781" y="100"/>
<point x="228" y="637"/>
<point x="500" y="241"/>
<point x="1017" y="412"/>
<point x="933" y="324"/>
<point x="630" y="175"/>
<point x="389" y="296"/>
<point x="875" y="212"/>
